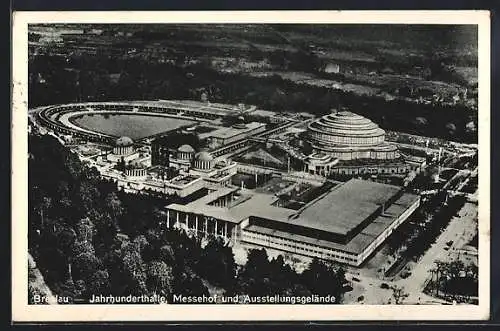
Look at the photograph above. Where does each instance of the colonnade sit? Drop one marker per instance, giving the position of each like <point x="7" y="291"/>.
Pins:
<point x="185" y="155"/>
<point x="347" y="140"/>
<point x="223" y="201"/>
<point x="200" y="224"/>
<point x="203" y="164"/>
<point x="230" y="147"/>
<point x="123" y="150"/>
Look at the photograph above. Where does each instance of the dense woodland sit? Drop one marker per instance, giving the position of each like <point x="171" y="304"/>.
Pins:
<point x="88" y="238"/>
<point x="58" y="79"/>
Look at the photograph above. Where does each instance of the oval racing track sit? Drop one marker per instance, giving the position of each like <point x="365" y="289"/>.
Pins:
<point x="59" y="118"/>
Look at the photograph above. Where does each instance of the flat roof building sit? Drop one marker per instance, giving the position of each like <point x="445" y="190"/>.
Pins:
<point x="345" y="224"/>
<point x="227" y="135"/>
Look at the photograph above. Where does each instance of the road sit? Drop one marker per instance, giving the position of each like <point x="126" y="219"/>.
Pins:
<point x="38" y="283"/>
<point x="421" y="148"/>
<point x="460" y="230"/>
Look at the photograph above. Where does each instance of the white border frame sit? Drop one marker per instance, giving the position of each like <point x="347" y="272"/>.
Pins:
<point x="21" y="311"/>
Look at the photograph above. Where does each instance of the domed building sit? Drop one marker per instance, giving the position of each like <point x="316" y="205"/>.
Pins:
<point x="203" y="161"/>
<point x="123" y="146"/>
<point x="123" y="150"/>
<point x="182" y="158"/>
<point x="185" y="152"/>
<point x="136" y="170"/>
<point x="348" y="136"/>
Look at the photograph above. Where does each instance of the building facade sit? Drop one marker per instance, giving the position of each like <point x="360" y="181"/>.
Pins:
<point x="320" y="164"/>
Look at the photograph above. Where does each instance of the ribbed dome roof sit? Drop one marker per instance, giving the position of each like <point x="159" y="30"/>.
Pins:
<point x="186" y="149"/>
<point x="136" y="165"/>
<point x="124" y="141"/>
<point x="346" y="124"/>
<point x="346" y="118"/>
<point x="344" y="129"/>
<point x="204" y="156"/>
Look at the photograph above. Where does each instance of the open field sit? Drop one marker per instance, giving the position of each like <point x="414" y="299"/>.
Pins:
<point x="133" y="126"/>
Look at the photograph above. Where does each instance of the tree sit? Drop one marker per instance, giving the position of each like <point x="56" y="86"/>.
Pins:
<point x="85" y="230"/>
<point x="98" y="283"/>
<point x="66" y="243"/>
<point x="167" y="254"/>
<point x="471" y="127"/>
<point x="82" y="247"/>
<point x="68" y="289"/>
<point x="454" y="268"/>
<point x="217" y="264"/>
<point x="323" y="280"/>
<point x="140" y="243"/>
<point x="451" y="128"/>
<point x="134" y="269"/>
<point x="89" y="195"/>
<point x="187" y="250"/>
<point x="399" y="295"/>
<point x="260" y="277"/>
<point x="158" y="215"/>
<point x="285" y="280"/>
<point x="257" y="265"/>
<point x="254" y="279"/>
<point x="114" y="204"/>
<point x="85" y="265"/>
<point x="160" y="278"/>
<point x="189" y="284"/>
<point x="473" y="269"/>
<point x="45" y="204"/>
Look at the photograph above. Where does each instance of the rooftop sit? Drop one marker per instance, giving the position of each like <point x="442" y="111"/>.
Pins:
<point x="239" y="209"/>
<point x="124" y="141"/>
<point x="345" y="207"/>
<point x="228" y="132"/>
<point x="182" y="180"/>
<point x="186" y="149"/>
<point x="204" y="156"/>
<point x="339" y="211"/>
<point x="359" y="243"/>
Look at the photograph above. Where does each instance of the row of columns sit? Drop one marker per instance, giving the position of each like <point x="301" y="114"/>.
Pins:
<point x="122" y="150"/>
<point x="219" y="226"/>
<point x="203" y="165"/>
<point x="333" y="138"/>
<point x="184" y="155"/>
<point x="224" y="150"/>
<point x="223" y="201"/>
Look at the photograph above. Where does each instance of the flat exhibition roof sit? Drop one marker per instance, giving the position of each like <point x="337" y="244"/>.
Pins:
<point x="361" y="240"/>
<point x="338" y="211"/>
<point x="345" y="207"/>
<point x="249" y="204"/>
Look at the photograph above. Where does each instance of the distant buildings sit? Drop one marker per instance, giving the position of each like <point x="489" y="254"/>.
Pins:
<point x="331" y="68"/>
